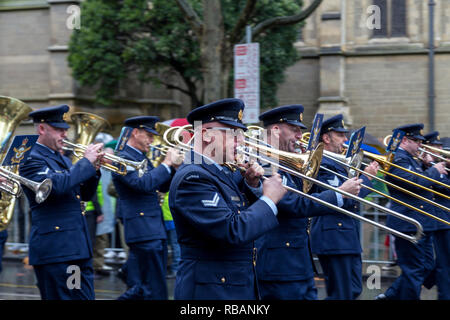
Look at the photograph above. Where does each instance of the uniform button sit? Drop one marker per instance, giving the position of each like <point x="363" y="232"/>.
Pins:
<point x="78" y="196"/>
<point x="287" y="244"/>
<point x="141" y="213"/>
<point x="254" y="263"/>
<point x="56" y="228"/>
<point x="421" y="207"/>
<point x="340" y="224"/>
<point x="239" y="211"/>
<point x="356" y="206"/>
<point x="434" y="198"/>
<point x="223" y="279"/>
<point x="83" y="213"/>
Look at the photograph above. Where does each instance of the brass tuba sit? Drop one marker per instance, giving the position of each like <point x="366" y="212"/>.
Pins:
<point x="12" y="112"/>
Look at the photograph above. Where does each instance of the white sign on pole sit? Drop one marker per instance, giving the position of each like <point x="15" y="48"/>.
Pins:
<point x="246" y="79"/>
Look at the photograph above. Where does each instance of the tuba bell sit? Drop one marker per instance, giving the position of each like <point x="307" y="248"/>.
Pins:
<point x="12" y="112"/>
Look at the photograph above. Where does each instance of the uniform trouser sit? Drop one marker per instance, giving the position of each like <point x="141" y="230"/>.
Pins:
<point x="440" y="275"/>
<point x="72" y="280"/>
<point x="151" y="262"/>
<point x="343" y="275"/>
<point x="288" y="290"/>
<point x="416" y="262"/>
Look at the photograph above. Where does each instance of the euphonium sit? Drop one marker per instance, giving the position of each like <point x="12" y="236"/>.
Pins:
<point x="12" y="112"/>
<point x="158" y="147"/>
<point x="86" y="127"/>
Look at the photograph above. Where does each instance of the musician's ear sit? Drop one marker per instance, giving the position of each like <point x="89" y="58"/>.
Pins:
<point x="326" y="138"/>
<point x="207" y="136"/>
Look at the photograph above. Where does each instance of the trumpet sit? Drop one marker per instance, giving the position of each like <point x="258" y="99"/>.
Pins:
<point x="175" y="141"/>
<point x="79" y="149"/>
<point x="42" y="189"/>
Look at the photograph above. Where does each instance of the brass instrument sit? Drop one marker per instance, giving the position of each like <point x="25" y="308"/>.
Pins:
<point x="79" y="149"/>
<point x="444" y="154"/>
<point x="382" y="158"/>
<point x="87" y="126"/>
<point x="12" y="112"/>
<point x="385" y="162"/>
<point x="175" y="141"/>
<point x="386" y="142"/>
<point x="158" y="144"/>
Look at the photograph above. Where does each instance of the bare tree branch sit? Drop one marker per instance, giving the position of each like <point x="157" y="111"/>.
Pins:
<point x="191" y="16"/>
<point x="242" y="21"/>
<point x="286" y="20"/>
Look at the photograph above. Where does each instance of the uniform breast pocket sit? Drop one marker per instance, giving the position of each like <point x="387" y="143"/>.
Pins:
<point x="221" y="280"/>
<point x="284" y="256"/>
<point x="58" y="240"/>
<point x="143" y="223"/>
<point x="339" y="234"/>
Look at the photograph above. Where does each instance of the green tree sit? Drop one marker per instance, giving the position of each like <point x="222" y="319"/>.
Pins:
<point x="157" y="39"/>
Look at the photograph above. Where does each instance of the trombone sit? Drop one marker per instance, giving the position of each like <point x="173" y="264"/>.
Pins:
<point x="353" y="165"/>
<point x="79" y="149"/>
<point x="385" y="141"/>
<point x="175" y="141"/>
<point x="436" y="152"/>
<point x="423" y="150"/>
<point x="337" y="158"/>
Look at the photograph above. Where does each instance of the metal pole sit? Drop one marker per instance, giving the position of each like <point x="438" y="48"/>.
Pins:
<point x="431" y="93"/>
<point x="248" y="34"/>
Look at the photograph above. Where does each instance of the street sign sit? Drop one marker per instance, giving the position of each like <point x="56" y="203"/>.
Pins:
<point x="246" y="79"/>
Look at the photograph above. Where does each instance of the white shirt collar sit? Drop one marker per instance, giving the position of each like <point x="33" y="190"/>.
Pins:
<point x="53" y="151"/>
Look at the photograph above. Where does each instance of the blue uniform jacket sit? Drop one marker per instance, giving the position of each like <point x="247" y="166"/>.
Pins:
<point x="283" y="253"/>
<point x="216" y="227"/>
<point x="138" y="201"/>
<point x="443" y="201"/>
<point x="58" y="229"/>
<point x="337" y="233"/>
<point x="404" y="159"/>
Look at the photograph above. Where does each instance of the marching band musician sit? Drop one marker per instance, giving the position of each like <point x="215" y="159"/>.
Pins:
<point x="142" y="217"/>
<point x="60" y="249"/>
<point x="441" y="236"/>
<point x="284" y="267"/>
<point x="415" y="260"/>
<point x="218" y="216"/>
<point x="335" y="237"/>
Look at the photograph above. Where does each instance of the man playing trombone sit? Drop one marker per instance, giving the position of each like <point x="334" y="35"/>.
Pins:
<point x="415" y="260"/>
<point x="285" y="266"/>
<point x="141" y="213"/>
<point x="216" y="213"/>
<point x="335" y="237"/>
<point x="441" y="236"/>
<point x="60" y="249"/>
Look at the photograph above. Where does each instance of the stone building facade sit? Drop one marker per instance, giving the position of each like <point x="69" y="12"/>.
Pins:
<point x="378" y="78"/>
<point x="34" y="36"/>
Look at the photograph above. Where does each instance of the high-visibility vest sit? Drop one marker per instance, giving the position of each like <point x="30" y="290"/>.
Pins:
<point x="90" y="204"/>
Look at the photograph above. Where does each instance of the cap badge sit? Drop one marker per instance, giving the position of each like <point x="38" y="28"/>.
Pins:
<point x="301" y="117"/>
<point x="240" y="114"/>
